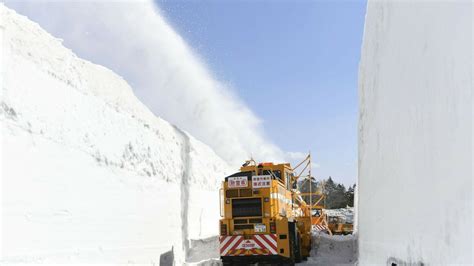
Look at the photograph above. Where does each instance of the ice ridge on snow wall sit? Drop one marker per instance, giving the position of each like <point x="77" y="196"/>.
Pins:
<point x="89" y="174"/>
<point x="415" y="134"/>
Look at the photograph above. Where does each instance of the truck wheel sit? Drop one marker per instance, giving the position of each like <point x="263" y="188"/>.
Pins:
<point x="298" y="249"/>
<point x="292" y="241"/>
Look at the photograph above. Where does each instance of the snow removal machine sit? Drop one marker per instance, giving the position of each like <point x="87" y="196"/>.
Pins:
<point x="264" y="219"/>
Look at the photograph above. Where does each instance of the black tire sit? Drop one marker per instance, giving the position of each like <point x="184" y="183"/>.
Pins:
<point x="292" y="241"/>
<point x="297" y="252"/>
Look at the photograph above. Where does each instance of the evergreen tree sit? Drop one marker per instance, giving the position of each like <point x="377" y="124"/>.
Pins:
<point x="303" y="186"/>
<point x="350" y="196"/>
<point x="337" y="196"/>
<point x="329" y="191"/>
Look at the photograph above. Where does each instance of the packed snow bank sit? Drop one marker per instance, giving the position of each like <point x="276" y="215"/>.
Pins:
<point x="204" y="252"/>
<point x="88" y="173"/>
<point x="333" y="250"/>
<point x="415" y="134"/>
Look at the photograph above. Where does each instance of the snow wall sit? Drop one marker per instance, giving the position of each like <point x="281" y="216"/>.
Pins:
<point x="415" y="133"/>
<point x="89" y="174"/>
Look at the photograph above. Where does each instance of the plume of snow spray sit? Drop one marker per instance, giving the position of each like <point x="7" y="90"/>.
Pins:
<point x="134" y="40"/>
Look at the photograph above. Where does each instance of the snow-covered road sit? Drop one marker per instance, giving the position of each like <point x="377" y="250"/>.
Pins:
<point x="333" y="250"/>
<point x="327" y="251"/>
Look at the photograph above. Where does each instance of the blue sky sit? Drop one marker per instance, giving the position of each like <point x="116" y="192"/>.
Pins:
<point x="294" y="64"/>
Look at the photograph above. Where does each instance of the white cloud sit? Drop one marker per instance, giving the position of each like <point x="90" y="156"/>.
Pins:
<point x="134" y="40"/>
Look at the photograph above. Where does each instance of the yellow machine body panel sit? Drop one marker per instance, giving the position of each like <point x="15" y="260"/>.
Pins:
<point x="338" y="226"/>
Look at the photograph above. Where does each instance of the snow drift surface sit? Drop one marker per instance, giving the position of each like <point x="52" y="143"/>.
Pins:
<point x="332" y="250"/>
<point x="415" y="134"/>
<point x="88" y="173"/>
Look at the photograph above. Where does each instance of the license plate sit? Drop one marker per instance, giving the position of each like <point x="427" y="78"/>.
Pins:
<point x="260" y="228"/>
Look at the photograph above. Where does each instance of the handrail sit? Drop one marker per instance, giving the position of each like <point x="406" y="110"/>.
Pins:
<point x="221" y="197"/>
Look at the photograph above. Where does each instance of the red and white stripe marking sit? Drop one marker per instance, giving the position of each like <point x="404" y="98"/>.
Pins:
<point x="267" y="241"/>
<point x="319" y="227"/>
<point x="230" y="245"/>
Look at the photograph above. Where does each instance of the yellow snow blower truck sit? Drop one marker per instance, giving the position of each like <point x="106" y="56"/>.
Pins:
<point x="339" y="226"/>
<point x="264" y="218"/>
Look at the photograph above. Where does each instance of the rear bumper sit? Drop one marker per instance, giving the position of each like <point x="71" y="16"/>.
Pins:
<point x="254" y="245"/>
